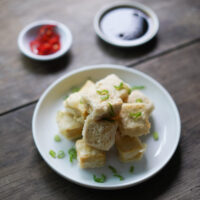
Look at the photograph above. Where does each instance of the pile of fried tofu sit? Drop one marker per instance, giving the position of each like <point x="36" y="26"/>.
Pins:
<point x="104" y="114"/>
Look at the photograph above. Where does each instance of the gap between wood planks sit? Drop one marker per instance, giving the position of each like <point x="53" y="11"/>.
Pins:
<point x="181" y="46"/>
<point x="168" y="51"/>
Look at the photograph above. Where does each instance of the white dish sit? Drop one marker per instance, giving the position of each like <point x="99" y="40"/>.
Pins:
<point x="165" y="120"/>
<point x="152" y="30"/>
<point x="29" y="33"/>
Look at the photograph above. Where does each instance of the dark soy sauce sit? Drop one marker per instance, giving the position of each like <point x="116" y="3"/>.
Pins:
<point x="124" y="23"/>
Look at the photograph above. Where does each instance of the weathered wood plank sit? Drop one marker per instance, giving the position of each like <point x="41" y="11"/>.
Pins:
<point x="24" y="174"/>
<point x="23" y="80"/>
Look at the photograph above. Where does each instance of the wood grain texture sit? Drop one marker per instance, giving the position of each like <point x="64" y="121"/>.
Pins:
<point x="23" y="80"/>
<point x="23" y="173"/>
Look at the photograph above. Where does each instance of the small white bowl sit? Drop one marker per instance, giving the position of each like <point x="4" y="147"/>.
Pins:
<point x="30" y="32"/>
<point x="152" y="30"/>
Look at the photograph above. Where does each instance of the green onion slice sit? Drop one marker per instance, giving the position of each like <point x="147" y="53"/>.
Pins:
<point x="61" y="154"/>
<point x="139" y="87"/>
<point x="111" y="110"/>
<point x="102" y="92"/>
<point x="135" y="115"/>
<point x="104" y="97"/>
<point x="57" y="138"/>
<point x="121" y="178"/>
<point x="65" y="97"/>
<point x="81" y="101"/>
<point x="155" y="135"/>
<point x="75" y="89"/>
<point x="131" y="170"/>
<point x="119" y="87"/>
<point x="72" y="154"/>
<point x="101" y="179"/>
<point x="52" y="153"/>
<point x="114" y="171"/>
<point x="139" y="101"/>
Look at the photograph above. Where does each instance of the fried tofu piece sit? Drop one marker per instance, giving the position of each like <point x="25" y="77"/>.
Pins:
<point x="99" y="134"/>
<point x="74" y="103"/>
<point x="89" y="157"/>
<point x="138" y="97"/>
<point x="101" y="108"/>
<point x="74" y="115"/>
<point x="68" y="126"/>
<point x="115" y="86"/>
<point x="87" y="86"/>
<point x="133" y="120"/>
<point x="129" y="148"/>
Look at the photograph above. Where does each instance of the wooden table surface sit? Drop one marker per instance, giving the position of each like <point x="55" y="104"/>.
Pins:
<point x="172" y="58"/>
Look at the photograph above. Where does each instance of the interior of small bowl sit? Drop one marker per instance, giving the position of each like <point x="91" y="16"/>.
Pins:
<point x="32" y="33"/>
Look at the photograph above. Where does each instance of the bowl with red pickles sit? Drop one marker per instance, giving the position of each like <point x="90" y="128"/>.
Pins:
<point x="45" y="40"/>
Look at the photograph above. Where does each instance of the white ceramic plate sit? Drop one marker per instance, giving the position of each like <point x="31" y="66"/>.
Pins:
<point x="165" y="120"/>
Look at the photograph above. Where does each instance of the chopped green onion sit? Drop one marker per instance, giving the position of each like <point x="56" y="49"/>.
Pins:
<point x="101" y="179"/>
<point x="114" y="171"/>
<point x="72" y="154"/>
<point x="61" y="154"/>
<point x="81" y="102"/>
<point x="111" y="110"/>
<point x="140" y="87"/>
<point x="121" y="178"/>
<point x="155" y="135"/>
<point x="104" y="97"/>
<point x="119" y="87"/>
<point x="66" y="97"/>
<point x="131" y="170"/>
<point x="75" y="89"/>
<point x="52" y="153"/>
<point x="135" y="115"/>
<point x="129" y="90"/>
<point x="57" y="138"/>
<point x="102" y="92"/>
<point x="139" y="101"/>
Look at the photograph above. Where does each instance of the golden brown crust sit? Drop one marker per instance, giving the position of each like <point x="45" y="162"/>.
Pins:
<point x="134" y="126"/>
<point x="110" y="82"/>
<point x="89" y="157"/>
<point x="75" y="103"/>
<point x="138" y="95"/>
<point x="96" y="111"/>
<point x="68" y="126"/>
<point x="99" y="134"/>
<point x="129" y="148"/>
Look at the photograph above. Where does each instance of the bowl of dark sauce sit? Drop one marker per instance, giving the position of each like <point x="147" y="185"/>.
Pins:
<point x="126" y="24"/>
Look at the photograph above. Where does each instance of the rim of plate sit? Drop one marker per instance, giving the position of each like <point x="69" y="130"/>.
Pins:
<point x="109" y="66"/>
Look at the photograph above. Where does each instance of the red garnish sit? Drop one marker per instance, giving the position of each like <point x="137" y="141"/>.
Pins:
<point x="46" y="42"/>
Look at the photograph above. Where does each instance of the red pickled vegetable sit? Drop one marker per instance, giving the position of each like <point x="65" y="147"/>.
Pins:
<point x="46" y="42"/>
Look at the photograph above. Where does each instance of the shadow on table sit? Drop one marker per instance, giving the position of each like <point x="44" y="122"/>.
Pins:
<point x="46" y="67"/>
<point x="124" y="53"/>
<point x="150" y="189"/>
